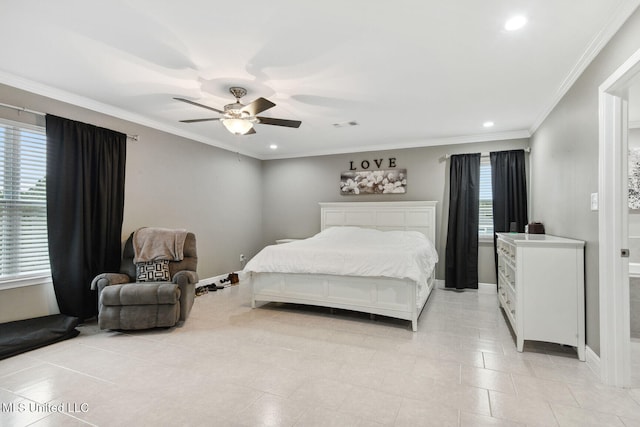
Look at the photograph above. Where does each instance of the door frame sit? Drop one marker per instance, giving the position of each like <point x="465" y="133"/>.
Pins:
<point x="615" y="362"/>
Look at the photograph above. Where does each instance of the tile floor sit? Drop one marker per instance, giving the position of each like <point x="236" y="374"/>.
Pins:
<point x="229" y="365"/>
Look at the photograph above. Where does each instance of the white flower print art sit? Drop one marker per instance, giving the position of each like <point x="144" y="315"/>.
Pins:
<point x="634" y="178"/>
<point x="389" y="181"/>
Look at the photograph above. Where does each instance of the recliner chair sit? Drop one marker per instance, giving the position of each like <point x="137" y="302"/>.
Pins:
<point x="126" y="304"/>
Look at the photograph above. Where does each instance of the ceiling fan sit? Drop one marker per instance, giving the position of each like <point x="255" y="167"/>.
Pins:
<point x="239" y="118"/>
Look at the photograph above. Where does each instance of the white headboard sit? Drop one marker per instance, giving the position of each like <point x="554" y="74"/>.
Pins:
<point x="419" y="216"/>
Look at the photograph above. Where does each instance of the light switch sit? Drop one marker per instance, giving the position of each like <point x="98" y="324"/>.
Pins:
<point x="594" y="201"/>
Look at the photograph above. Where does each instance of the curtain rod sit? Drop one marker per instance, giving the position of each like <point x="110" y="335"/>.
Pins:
<point x="40" y="113"/>
<point x="526" y="150"/>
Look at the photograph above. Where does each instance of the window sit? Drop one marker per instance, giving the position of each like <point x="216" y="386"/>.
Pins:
<point x="24" y="252"/>
<point x="485" y="223"/>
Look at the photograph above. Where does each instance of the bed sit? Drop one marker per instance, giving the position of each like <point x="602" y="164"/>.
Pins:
<point x="293" y="273"/>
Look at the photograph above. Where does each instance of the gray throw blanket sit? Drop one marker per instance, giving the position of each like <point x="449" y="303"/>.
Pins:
<point x="150" y="244"/>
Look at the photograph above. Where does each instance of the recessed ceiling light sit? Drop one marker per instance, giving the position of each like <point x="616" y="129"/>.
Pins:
<point x="273" y="146"/>
<point x="515" y="23"/>
<point x="488" y="124"/>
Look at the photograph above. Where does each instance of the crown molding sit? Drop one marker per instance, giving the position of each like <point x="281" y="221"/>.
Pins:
<point x="110" y="110"/>
<point x="593" y="49"/>
<point x="463" y="139"/>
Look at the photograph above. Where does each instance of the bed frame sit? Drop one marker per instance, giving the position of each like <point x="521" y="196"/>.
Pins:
<point x="395" y="298"/>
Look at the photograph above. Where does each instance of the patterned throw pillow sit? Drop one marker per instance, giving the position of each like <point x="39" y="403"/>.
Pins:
<point x="153" y="271"/>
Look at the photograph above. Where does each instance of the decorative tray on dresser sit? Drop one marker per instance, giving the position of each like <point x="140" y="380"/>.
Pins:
<point x="541" y="288"/>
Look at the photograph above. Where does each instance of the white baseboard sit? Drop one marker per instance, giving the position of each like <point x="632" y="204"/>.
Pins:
<point x="211" y="280"/>
<point x="487" y="288"/>
<point x="216" y="279"/>
<point x="593" y="361"/>
<point x="484" y="288"/>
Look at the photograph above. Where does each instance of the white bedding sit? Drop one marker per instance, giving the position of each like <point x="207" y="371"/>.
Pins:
<point x="352" y="251"/>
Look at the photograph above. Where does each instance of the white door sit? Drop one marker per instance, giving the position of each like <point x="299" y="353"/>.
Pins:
<point x="613" y="224"/>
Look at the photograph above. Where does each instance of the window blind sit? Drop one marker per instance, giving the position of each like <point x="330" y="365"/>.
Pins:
<point x="485" y="223"/>
<point x="24" y="250"/>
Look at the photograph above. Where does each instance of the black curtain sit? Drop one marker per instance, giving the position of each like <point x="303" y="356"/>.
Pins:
<point x="509" y="186"/>
<point x="461" y="260"/>
<point x="85" y="203"/>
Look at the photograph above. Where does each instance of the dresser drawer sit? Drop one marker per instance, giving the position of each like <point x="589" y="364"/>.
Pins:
<point x="510" y="301"/>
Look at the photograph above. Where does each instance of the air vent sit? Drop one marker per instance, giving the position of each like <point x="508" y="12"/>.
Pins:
<point x="345" y="124"/>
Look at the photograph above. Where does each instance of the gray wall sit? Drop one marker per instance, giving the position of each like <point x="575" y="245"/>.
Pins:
<point x="170" y="182"/>
<point x="564" y="164"/>
<point x="292" y="189"/>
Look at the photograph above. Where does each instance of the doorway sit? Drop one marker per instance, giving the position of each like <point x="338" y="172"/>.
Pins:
<point x="634" y="231"/>
<point x="615" y="342"/>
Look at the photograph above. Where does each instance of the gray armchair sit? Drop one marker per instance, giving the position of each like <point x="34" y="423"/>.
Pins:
<point x="125" y="304"/>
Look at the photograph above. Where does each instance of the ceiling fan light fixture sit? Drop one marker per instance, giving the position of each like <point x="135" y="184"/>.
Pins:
<point x="239" y="118"/>
<point x="237" y="126"/>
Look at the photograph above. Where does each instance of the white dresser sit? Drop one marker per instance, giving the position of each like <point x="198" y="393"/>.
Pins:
<point x="541" y="288"/>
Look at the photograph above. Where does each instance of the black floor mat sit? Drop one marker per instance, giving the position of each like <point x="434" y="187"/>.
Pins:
<point x="24" y="335"/>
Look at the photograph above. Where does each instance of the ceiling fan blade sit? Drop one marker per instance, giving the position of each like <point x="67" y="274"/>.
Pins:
<point x="279" y="122"/>
<point x="199" y="105"/>
<point x="258" y="106"/>
<point x="199" y="120"/>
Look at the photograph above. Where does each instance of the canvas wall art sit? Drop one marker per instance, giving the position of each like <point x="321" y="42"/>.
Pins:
<point x="388" y="181"/>
<point x="634" y="178"/>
